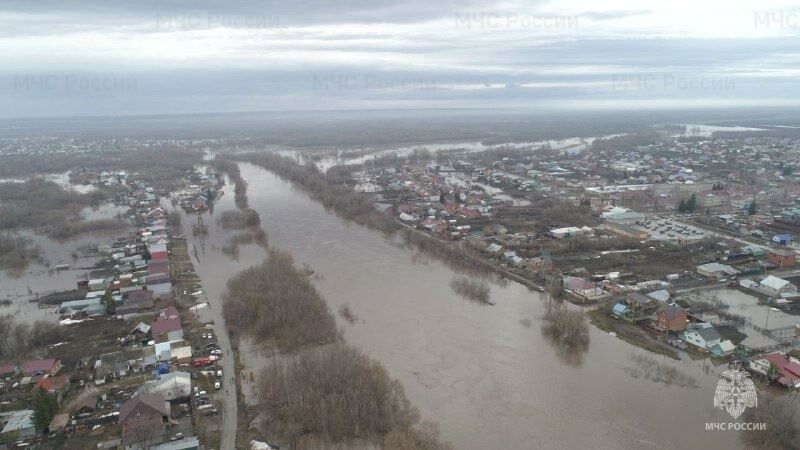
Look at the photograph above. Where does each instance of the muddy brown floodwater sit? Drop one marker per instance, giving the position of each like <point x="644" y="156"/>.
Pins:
<point x="484" y="373"/>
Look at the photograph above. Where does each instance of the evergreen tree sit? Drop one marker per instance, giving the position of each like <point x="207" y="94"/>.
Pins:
<point x="45" y="407"/>
<point x="682" y="206"/>
<point x="753" y="208"/>
<point x="108" y="301"/>
<point x="691" y="205"/>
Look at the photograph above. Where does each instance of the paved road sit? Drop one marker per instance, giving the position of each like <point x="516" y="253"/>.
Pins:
<point x="228" y="395"/>
<point x="213" y="283"/>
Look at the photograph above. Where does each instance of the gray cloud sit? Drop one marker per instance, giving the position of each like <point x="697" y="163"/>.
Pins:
<point x="131" y="57"/>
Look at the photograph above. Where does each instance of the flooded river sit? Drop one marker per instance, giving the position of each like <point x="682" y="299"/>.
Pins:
<point x="483" y="373"/>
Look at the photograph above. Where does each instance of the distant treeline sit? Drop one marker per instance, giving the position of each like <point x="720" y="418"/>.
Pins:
<point x="48" y="208"/>
<point x="163" y="166"/>
<point x="627" y="142"/>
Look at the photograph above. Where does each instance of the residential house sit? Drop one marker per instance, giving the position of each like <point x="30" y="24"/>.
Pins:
<point x="157" y="251"/>
<point x="8" y="370"/>
<point x="716" y="270"/>
<point x="19" y="425"/>
<point x="561" y="233"/>
<point x="775" y="286"/>
<point x="161" y="291"/>
<point x="782" y="239"/>
<point x="41" y="367"/>
<point x="641" y="305"/>
<point x="89" y="306"/>
<point x="172" y="386"/>
<point x="99" y="284"/>
<point x="661" y="295"/>
<point x="135" y="303"/>
<point x="494" y="248"/>
<point x="620" y="310"/>
<point x="157" y="266"/>
<point x="781" y="367"/>
<point x="167" y="329"/>
<point x="58" y="423"/>
<point x="704" y="336"/>
<point x="58" y="385"/>
<point x="86" y="406"/>
<point x="143" y="419"/>
<point x="157" y="278"/>
<point x="670" y="318"/>
<point x="782" y="257"/>
<point x="582" y="287"/>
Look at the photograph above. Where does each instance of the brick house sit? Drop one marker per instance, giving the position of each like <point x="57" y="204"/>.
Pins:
<point x="782" y="257"/>
<point x="670" y="318"/>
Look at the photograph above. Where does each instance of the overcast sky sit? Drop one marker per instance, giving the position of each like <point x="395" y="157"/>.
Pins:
<point x="101" y="57"/>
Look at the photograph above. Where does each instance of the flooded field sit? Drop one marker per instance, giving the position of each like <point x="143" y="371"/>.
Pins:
<point x="484" y="373"/>
<point x="42" y="278"/>
<point x="759" y="315"/>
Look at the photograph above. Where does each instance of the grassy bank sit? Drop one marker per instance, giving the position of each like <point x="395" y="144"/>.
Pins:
<point x="630" y="333"/>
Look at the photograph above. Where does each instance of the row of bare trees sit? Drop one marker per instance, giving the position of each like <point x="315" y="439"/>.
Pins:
<point x="239" y="185"/>
<point x="18" y="340"/>
<point x="339" y="197"/>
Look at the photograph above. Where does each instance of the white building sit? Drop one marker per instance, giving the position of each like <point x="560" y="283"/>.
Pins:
<point x="775" y="286"/>
<point x="172" y="386"/>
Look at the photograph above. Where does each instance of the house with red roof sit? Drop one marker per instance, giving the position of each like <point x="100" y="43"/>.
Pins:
<point x="40" y="367"/>
<point x="781" y="367"/>
<point x="8" y="370"/>
<point x="167" y="329"/>
<point x="53" y="385"/>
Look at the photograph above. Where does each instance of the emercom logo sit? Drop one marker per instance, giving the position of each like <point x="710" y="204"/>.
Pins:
<point x="735" y="393"/>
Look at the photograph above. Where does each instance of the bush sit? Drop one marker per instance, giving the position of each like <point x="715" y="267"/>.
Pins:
<point x="239" y="219"/>
<point x="338" y="393"/>
<point x="471" y="289"/>
<point x="567" y="328"/>
<point x="16" y="253"/>
<point x="782" y="419"/>
<point x="276" y="304"/>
